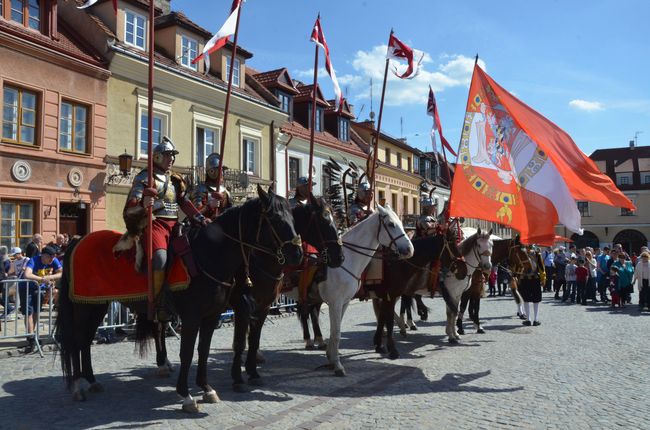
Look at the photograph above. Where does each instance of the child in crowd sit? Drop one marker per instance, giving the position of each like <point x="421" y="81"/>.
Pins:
<point x="582" y="276"/>
<point x="642" y="276"/>
<point x="570" y="276"/>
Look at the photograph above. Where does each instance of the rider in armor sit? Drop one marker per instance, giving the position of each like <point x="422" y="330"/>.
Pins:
<point x="426" y="223"/>
<point x="301" y="197"/>
<point x="360" y="209"/>
<point x="206" y="197"/>
<point x="166" y="197"/>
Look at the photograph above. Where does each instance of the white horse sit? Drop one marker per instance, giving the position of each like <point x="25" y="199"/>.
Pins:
<point x="359" y="245"/>
<point x="476" y="250"/>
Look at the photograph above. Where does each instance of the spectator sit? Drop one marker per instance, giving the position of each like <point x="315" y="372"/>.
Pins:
<point x="570" y="277"/>
<point x="560" y="262"/>
<point x="590" y="263"/>
<point x="59" y="246"/>
<point x="34" y="247"/>
<point x="572" y="252"/>
<point x="602" y="277"/>
<point x="625" y="271"/>
<point x="582" y="276"/>
<point x="642" y="276"/>
<point x="549" y="256"/>
<point x="634" y="259"/>
<point x="492" y="281"/>
<point x="5" y="263"/>
<point x="44" y="269"/>
<point x="503" y="278"/>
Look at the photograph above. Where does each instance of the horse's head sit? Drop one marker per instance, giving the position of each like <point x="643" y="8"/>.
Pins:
<point x="450" y="256"/>
<point x="483" y="248"/>
<point x="276" y="230"/>
<point x="315" y="223"/>
<point x="391" y="234"/>
<point x="518" y="258"/>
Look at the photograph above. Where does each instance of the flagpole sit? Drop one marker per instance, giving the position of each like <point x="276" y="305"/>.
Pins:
<point x="376" y="146"/>
<point x="222" y="146"/>
<point x="313" y="114"/>
<point x="150" y="182"/>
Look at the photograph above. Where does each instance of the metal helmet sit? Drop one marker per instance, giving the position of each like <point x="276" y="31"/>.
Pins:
<point x="426" y="202"/>
<point x="164" y="147"/>
<point x="303" y="180"/>
<point x="212" y="165"/>
<point x="363" y="189"/>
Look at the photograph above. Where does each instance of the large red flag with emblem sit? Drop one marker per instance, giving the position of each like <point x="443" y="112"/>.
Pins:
<point x="517" y="168"/>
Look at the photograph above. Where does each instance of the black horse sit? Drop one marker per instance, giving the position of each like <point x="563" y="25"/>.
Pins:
<point x="219" y="250"/>
<point x="315" y="224"/>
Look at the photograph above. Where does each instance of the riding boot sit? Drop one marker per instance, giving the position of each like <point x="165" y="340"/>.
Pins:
<point x="163" y="313"/>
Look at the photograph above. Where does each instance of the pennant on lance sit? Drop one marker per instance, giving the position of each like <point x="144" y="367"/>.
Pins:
<point x="432" y="110"/>
<point x="221" y="37"/>
<point x="398" y="50"/>
<point x="93" y="2"/>
<point x="517" y="168"/>
<point x="318" y="37"/>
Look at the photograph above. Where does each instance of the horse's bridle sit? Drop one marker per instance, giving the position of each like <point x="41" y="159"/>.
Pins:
<point x="519" y="263"/>
<point x="478" y="255"/>
<point x="355" y="248"/>
<point x="323" y="255"/>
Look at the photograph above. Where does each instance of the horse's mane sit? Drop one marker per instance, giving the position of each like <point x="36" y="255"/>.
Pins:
<point x="467" y="244"/>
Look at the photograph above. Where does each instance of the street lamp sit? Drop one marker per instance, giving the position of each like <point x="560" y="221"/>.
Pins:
<point x="125" y="162"/>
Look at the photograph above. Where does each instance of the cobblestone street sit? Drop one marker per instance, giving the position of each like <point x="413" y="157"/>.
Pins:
<point x="584" y="367"/>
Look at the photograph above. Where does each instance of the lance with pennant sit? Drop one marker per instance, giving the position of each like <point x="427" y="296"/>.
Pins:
<point x="313" y="113"/>
<point x="150" y="181"/>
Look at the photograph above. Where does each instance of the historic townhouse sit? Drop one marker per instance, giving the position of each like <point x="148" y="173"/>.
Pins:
<point x="629" y="168"/>
<point x="53" y="141"/>
<point x="332" y="134"/>
<point x="188" y="102"/>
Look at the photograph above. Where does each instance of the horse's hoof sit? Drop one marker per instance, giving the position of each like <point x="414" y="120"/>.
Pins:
<point x="480" y="331"/>
<point x="414" y="328"/>
<point x="239" y="388"/>
<point x="321" y="346"/>
<point x="453" y="340"/>
<point x="79" y="396"/>
<point x="96" y="387"/>
<point x="211" y="397"/>
<point x="309" y="347"/>
<point x="163" y="371"/>
<point x="191" y="407"/>
<point x="380" y="350"/>
<point x="339" y="372"/>
<point x="461" y="331"/>
<point x="257" y="382"/>
<point x="402" y="332"/>
<point x="394" y="355"/>
<point x="260" y="357"/>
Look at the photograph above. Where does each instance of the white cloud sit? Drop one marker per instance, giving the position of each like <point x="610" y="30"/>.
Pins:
<point x="456" y="70"/>
<point x="586" y="105"/>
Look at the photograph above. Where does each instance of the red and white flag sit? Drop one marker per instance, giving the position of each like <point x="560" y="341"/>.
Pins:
<point x="221" y="37"/>
<point x="517" y="168"/>
<point x="398" y="50"/>
<point x="318" y="37"/>
<point x="92" y="2"/>
<point x="432" y="110"/>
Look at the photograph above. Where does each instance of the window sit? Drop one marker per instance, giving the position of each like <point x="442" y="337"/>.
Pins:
<point x="189" y="51"/>
<point x="17" y="224"/>
<point x="235" y="78"/>
<point x="408" y="164"/>
<point x="134" y="29"/>
<point x="206" y="143"/>
<point x="344" y="129"/>
<point x="394" y="201"/>
<point x="249" y="158"/>
<point x="623" y="178"/>
<point x="387" y="152"/>
<point x="285" y="102"/>
<point x="405" y="205"/>
<point x="416" y="164"/>
<point x="73" y="131"/>
<point x="319" y="118"/>
<point x="628" y="212"/>
<point x="19" y="115"/>
<point x="25" y="12"/>
<point x="294" y="172"/>
<point x="382" y="198"/>
<point x="399" y="160"/>
<point x="583" y="208"/>
<point x="159" y="130"/>
<point x="415" y="205"/>
<point x="646" y="178"/>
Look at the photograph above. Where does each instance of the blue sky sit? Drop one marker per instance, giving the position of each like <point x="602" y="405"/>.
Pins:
<point x="584" y="64"/>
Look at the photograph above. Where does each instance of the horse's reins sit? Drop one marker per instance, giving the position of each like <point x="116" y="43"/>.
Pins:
<point x="478" y="255"/>
<point x="323" y="255"/>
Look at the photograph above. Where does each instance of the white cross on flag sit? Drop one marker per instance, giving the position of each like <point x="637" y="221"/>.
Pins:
<point x="221" y="37"/>
<point x="318" y="37"/>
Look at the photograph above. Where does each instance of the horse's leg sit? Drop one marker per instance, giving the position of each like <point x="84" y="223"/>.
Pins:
<point x="242" y="320"/>
<point x="422" y="309"/>
<point x="87" y="319"/>
<point x="409" y="313"/>
<point x="303" y="314"/>
<point x="162" y="361"/>
<point x="254" y="336"/>
<point x="314" y="312"/>
<point x="403" y="306"/>
<point x="474" y="307"/>
<point x="388" y="316"/>
<point x="336" y="316"/>
<point x="378" y="338"/>
<point x="188" y="339"/>
<point x="464" y="299"/>
<point x="205" y="336"/>
<point x="86" y="361"/>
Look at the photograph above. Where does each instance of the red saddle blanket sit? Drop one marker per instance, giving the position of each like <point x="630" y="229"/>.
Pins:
<point x="98" y="276"/>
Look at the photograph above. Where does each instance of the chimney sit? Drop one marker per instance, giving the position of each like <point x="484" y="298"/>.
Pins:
<point x="165" y="5"/>
<point x="631" y="144"/>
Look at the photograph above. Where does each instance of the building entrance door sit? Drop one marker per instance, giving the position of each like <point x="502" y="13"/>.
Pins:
<point x="73" y="220"/>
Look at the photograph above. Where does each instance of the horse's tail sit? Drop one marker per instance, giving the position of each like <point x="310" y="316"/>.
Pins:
<point x="145" y="330"/>
<point x="64" y="326"/>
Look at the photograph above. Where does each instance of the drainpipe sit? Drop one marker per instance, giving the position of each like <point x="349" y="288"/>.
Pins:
<point x="286" y="163"/>
<point x="272" y="155"/>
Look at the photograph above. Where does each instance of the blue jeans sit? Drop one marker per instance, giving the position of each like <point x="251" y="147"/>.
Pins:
<point x="570" y="290"/>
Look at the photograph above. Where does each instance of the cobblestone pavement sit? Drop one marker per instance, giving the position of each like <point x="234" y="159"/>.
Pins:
<point x="584" y="367"/>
